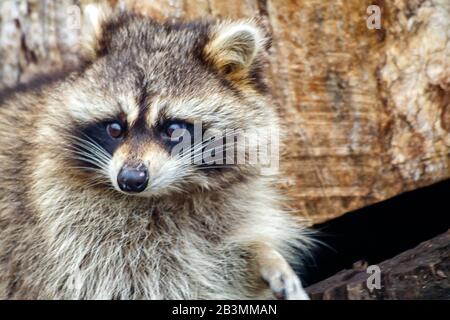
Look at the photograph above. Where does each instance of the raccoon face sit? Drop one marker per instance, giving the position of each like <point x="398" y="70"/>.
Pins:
<point x="162" y="107"/>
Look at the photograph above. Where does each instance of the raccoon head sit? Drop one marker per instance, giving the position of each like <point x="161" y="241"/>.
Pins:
<point x="161" y="107"/>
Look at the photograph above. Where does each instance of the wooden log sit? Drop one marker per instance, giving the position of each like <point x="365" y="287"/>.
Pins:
<point x="419" y="273"/>
<point x="367" y="111"/>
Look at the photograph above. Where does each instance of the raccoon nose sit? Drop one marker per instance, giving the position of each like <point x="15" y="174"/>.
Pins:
<point x="133" y="179"/>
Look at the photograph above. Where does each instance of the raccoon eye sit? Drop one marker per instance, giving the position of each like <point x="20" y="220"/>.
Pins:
<point x="115" y="130"/>
<point x="173" y="126"/>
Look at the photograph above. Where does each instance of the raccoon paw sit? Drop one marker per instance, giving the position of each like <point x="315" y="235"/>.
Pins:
<point x="285" y="285"/>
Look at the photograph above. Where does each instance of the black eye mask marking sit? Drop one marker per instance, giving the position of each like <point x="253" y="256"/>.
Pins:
<point x="98" y="133"/>
<point x="91" y="139"/>
<point x="164" y="127"/>
<point x="171" y="140"/>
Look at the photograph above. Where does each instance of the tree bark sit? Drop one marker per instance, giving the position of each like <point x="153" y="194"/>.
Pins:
<point x="419" y="273"/>
<point x="367" y="111"/>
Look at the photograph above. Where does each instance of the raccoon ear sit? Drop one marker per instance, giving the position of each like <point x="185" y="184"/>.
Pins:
<point x="233" y="48"/>
<point x="94" y="16"/>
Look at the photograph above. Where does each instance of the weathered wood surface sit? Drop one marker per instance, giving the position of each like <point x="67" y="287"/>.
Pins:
<point x="367" y="111"/>
<point x="419" y="273"/>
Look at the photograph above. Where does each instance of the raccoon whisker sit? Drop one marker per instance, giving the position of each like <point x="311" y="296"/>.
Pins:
<point x="89" y="144"/>
<point x="82" y="153"/>
<point x="199" y="146"/>
<point x="184" y="169"/>
<point x="227" y="146"/>
<point x="91" y="147"/>
<point x="223" y="148"/>
<point x="89" y="160"/>
<point x="186" y="166"/>
<point x="93" y="151"/>
<point x="195" y="148"/>
<point x="94" y="147"/>
<point x="85" y="149"/>
<point x="99" y="161"/>
<point x="192" y="154"/>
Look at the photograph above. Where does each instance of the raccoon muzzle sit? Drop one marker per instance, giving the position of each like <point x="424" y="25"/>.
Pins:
<point x="133" y="179"/>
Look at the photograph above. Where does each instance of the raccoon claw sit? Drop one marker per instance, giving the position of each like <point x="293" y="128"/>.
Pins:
<point x="286" y="286"/>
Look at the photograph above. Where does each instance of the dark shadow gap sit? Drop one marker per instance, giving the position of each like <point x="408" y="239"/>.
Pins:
<point x="379" y="232"/>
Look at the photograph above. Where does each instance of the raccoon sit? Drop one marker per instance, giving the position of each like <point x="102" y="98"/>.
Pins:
<point x="95" y="203"/>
